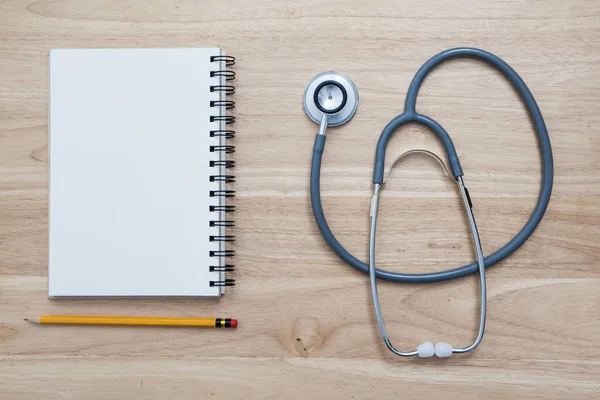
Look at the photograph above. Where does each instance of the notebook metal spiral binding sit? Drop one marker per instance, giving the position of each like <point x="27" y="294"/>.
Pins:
<point x="220" y="164"/>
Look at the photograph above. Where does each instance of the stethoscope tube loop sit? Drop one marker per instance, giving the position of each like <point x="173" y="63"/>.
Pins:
<point x="490" y="260"/>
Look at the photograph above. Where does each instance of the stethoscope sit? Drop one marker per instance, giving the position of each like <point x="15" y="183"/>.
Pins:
<point x="331" y="99"/>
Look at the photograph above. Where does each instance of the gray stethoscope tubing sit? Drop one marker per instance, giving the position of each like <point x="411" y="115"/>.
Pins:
<point x="410" y="115"/>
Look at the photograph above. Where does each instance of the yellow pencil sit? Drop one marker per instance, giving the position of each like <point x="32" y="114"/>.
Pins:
<point x="140" y="321"/>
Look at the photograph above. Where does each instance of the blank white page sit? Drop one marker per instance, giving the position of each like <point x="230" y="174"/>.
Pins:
<point x="129" y="172"/>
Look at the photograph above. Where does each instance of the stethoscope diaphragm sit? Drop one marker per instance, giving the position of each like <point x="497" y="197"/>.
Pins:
<point x="333" y="94"/>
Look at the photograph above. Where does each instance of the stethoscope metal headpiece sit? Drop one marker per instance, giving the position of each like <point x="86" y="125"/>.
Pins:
<point x="331" y="93"/>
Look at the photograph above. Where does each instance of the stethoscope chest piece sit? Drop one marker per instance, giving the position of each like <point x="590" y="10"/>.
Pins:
<point x="331" y="93"/>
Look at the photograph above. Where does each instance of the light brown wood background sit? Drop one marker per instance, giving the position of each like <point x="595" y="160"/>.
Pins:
<point x="307" y="328"/>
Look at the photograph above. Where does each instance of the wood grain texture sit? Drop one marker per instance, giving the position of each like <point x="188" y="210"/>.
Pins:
<point x="307" y="328"/>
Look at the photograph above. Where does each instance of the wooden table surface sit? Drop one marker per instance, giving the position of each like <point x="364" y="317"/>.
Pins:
<point x="307" y="328"/>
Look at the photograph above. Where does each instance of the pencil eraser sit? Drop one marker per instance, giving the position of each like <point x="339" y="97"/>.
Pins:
<point x="233" y="323"/>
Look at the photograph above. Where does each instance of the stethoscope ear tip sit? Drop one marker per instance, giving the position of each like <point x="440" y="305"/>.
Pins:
<point x="333" y="94"/>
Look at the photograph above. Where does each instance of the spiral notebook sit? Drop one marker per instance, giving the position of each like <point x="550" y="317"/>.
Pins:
<point x="139" y="172"/>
